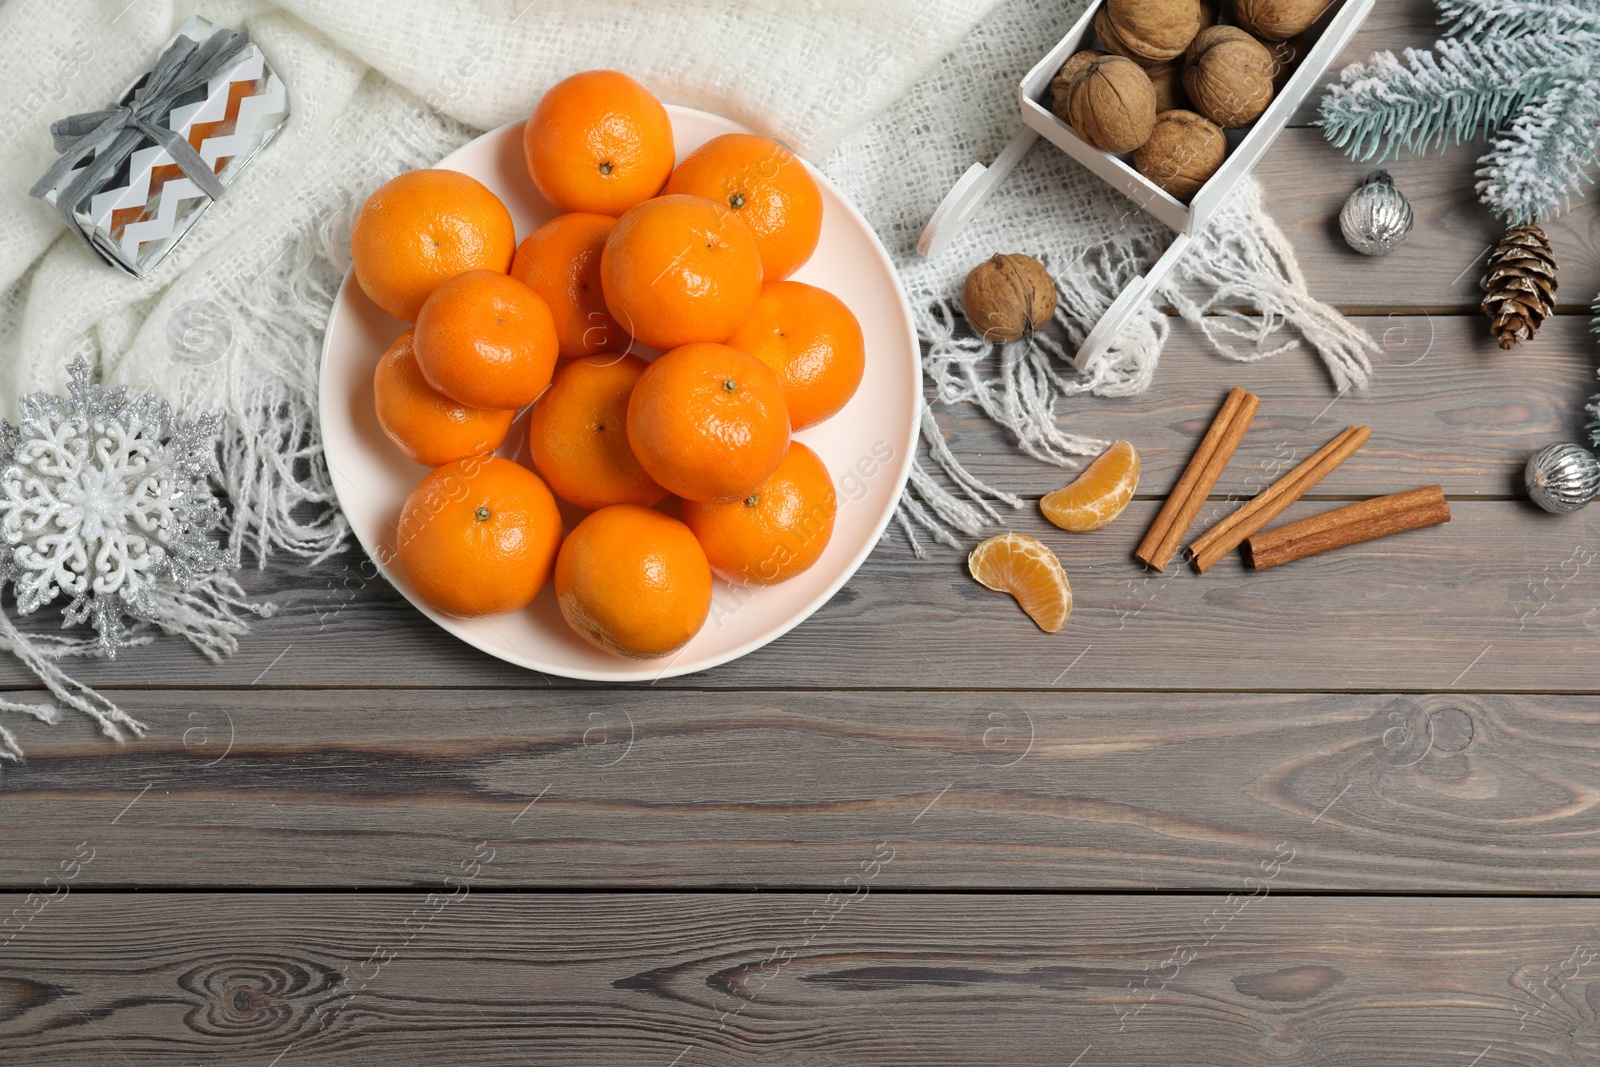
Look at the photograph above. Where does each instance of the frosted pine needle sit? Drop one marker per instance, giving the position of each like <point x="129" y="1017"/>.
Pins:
<point x="1524" y="73"/>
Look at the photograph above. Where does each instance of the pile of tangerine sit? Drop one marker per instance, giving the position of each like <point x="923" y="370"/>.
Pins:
<point x="690" y="261"/>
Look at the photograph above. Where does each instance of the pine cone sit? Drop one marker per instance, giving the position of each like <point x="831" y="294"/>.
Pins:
<point x="1521" y="284"/>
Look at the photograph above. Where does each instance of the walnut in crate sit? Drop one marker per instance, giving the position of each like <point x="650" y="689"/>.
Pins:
<point x="1183" y="152"/>
<point x="1278" y="20"/>
<point x="1107" y="100"/>
<point x="1228" y="75"/>
<point x="1286" y="55"/>
<point x="1148" y="31"/>
<point x="1066" y="80"/>
<point x="1008" y="297"/>
<point x="1167" y="80"/>
<point x="1111" y="41"/>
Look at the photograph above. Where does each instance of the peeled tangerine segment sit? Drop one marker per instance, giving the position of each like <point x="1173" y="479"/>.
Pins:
<point x="1022" y="566"/>
<point x="1099" y="494"/>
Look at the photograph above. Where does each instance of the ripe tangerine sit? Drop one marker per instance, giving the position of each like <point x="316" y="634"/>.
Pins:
<point x="814" y="344"/>
<point x="486" y="340"/>
<point x="424" y="424"/>
<point x="598" y="141"/>
<point x="578" y="433"/>
<point x="633" y="581"/>
<point x="424" y="228"/>
<point x="479" y="536"/>
<point x="776" y="532"/>
<point x="679" y="269"/>
<point x="767" y="186"/>
<point x="561" y="262"/>
<point x="708" y="422"/>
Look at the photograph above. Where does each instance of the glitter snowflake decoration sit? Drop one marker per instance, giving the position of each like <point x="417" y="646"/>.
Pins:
<point x="105" y="499"/>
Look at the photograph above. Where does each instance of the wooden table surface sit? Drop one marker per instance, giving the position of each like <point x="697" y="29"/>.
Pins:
<point x="1344" y="812"/>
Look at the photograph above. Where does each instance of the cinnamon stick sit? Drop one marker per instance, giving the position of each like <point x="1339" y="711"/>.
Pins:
<point x="1160" y="543"/>
<point x="1350" y="525"/>
<point x="1228" y="534"/>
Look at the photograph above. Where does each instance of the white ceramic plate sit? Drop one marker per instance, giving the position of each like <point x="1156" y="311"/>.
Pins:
<point x="867" y="446"/>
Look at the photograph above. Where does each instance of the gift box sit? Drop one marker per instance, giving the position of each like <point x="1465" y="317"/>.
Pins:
<point x="134" y="178"/>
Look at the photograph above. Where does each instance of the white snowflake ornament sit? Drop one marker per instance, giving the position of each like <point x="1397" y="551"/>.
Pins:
<point x="102" y="499"/>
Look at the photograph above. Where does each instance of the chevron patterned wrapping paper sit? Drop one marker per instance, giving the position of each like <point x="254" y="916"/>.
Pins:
<point x="136" y="217"/>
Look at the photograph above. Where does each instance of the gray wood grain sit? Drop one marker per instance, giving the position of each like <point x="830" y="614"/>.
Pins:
<point x="858" y="976"/>
<point x="1419" y="718"/>
<point x="1067" y="790"/>
<point x="1306" y="181"/>
<point x="1503" y="599"/>
<point x="1411" y="613"/>
<point x="1446" y="405"/>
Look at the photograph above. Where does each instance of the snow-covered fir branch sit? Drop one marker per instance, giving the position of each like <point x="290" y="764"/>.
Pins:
<point x="1521" y="72"/>
<point x="1458" y="91"/>
<point x="1542" y="160"/>
<point x="1501" y="20"/>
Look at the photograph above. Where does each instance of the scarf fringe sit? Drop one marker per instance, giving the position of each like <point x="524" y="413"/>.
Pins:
<point x="277" y="480"/>
<point x="39" y="655"/>
<point x="1019" y="386"/>
<point x="212" y="615"/>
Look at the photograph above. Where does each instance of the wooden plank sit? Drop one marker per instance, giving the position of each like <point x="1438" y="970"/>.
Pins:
<point x="859" y="976"/>
<point x="1446" y="405"/>
<point x="1492" y="602"/>
<point x="787" y="790"/>
<point x="1306" y="181"/>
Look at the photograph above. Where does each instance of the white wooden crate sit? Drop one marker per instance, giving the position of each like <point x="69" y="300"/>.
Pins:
<point x="1245" y="147"/>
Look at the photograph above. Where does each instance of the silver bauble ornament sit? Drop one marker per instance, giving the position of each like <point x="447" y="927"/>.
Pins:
<point x="1377" y="216"/>
<point x="1562" y="477"/>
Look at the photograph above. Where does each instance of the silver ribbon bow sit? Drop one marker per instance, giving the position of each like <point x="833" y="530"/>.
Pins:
<point x="114" y="133"/>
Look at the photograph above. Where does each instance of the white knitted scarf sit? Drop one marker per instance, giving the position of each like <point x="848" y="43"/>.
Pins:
<point x="892" y="99"/>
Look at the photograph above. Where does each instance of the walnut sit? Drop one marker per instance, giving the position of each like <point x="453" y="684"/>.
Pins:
<point x="1183" y="152"/>
<point x="1285" y="56"/>
<point x="1149" y="31"/>
<point x="1110" y="103"/>
<point x="1008" y="297"/>
<point x="1167" y="80"/>
<point x="1278" y="20"/>
<point x="1066" y="79"/>
<point x="1228" y="75"/>
<point x="1112" y="41"/>
<point x="1209" y="15"/>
